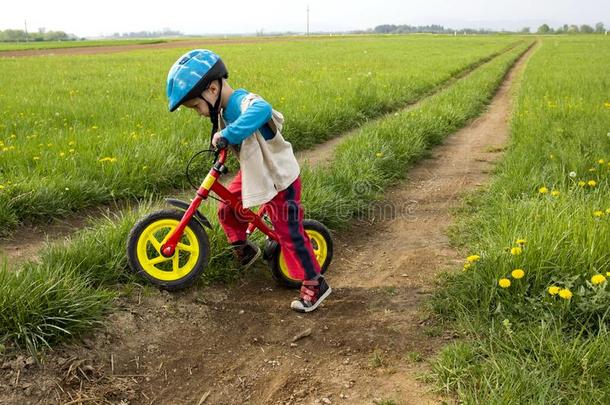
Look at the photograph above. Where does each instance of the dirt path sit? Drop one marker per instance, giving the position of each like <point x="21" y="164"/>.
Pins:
<point x="234" y="345"/>
<point x="93" y="50"/>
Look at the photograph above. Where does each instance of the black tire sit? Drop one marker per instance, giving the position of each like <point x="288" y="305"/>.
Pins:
<point x="274" y="263"/>
<point x="202" y="241"/>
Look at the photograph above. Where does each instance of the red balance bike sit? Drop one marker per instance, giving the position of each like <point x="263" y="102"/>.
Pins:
<point x="171" y="248"/>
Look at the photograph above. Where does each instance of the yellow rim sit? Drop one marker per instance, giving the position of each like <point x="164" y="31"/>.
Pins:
<point x="320" y="249"/>
<point x="167" y="268"/>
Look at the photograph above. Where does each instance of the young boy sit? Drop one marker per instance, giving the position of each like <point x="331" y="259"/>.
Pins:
<point x="269" y="172"/>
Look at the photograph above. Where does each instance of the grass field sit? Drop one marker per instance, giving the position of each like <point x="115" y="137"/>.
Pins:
<point x="532" y="301"/>
<point x="377" y="154"/>
<point x="76" y="131"/>
<point x="530" y="304"/>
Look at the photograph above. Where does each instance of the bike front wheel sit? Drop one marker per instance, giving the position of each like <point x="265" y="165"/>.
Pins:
<point x="177" y="271"/>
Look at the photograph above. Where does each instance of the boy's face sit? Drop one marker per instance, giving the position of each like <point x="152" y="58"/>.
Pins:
<point x="199" y="105"/>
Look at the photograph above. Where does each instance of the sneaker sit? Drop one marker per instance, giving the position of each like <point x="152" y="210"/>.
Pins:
<point x="313" y="292"/>
<point x="246" y="252"/>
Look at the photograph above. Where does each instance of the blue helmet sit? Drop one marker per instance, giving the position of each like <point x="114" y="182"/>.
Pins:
<point x="192" y="74"/>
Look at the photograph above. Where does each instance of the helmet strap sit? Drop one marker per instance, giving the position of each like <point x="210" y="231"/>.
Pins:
<point x="214" y="111"/>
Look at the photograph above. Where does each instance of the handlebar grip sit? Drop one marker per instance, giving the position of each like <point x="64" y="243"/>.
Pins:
<point x="222" y="143"/>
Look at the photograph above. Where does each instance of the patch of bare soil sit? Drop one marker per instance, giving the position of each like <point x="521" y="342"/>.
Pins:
<point x="93" y="50"/>
<point x="240" y="345"/>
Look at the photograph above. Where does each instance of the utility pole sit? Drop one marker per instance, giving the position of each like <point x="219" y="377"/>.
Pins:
<point x="308" y="20"/>
<point x="27" y="39"/>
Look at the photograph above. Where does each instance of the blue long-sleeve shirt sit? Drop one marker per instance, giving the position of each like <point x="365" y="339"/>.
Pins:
<point x="242" y="125"/>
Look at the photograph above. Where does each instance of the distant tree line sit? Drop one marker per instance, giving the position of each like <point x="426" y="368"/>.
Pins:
<point x="41" y="35"/>
<point x="572" y="29"/>
<point x="433" y="29"/>
<point x="148" y="34"/>
<point x="439" y="29"/>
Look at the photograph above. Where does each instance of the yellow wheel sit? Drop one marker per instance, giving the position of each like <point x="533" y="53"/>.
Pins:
<point x="184" y="266"/>
<point x="322" y="245"/>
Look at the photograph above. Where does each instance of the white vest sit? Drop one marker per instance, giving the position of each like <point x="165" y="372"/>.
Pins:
<point x="267" y="166"/>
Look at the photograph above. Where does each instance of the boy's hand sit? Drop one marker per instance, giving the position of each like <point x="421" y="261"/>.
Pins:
<point x="216" y="138"/>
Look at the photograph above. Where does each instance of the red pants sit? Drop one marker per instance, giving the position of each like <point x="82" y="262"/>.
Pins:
<point x="286" y="214"/>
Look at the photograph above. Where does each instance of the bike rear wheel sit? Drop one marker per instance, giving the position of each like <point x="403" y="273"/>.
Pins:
<point x="322" y="244"/>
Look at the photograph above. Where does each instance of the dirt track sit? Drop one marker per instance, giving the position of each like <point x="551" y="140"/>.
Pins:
<point x="92" y="50"/>
<point x="233" y="345"/>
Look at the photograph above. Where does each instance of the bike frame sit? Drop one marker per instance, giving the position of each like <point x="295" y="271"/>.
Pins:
<point x="211" y="184"/>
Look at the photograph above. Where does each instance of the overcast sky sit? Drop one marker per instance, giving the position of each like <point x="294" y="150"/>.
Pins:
<point x="93" y="18"/>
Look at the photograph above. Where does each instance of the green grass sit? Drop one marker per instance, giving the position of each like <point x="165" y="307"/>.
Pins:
<point x="42" y="305"/>
<point x="527" y="345"/>
<point x="77" y="131"/>
<point x="373" y="158"/>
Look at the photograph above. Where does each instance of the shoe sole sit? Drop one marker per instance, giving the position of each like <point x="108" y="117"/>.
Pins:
<point x="314" y="306"/>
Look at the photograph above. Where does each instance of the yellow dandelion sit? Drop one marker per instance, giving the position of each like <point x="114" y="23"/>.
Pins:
<point x="504" y="283"/>
<point x="607" y="104"/>
<point x="598" y="214"/>
<point x="555" y="193"/>
<point x="581" y="183"/>
<point x="607" y="210"/>
<point x="601" y="161"/>
<point x="598" y="279"/>
<point x="36" y="158"/>
<point x="543" y="190"/>
<point x="608" y="274"/>
<point x="592" y="183"/>
<point x="61" y="154"/>
<point x="107" y="159"/>
<point x="553" y="290"/>
<point x="379" y="154"/>
<point x="1" y="186"/>
<point x="517" y="274"/>
<point x="565" y="293"/>
<point x="473" y="258"/>
<point x="521" y="242"/>
<point x="516" y="251"/>
<point x="94" y="127"/>
<point x="467" y="266"/>
<point x="592" y="169"/>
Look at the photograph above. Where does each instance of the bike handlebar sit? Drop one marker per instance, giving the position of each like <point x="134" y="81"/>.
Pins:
<point x="222" y="143"/>
<point x="221" y="150"/>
